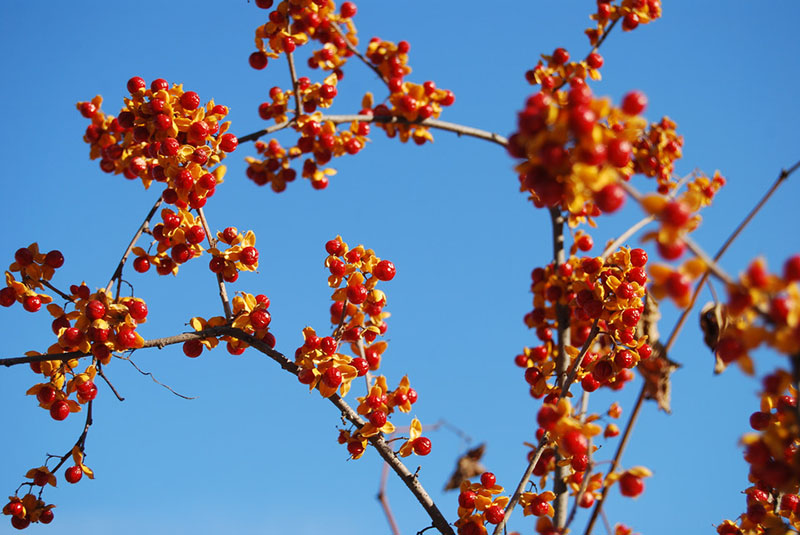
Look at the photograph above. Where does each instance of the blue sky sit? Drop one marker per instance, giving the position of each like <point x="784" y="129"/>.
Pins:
<point x="255" y="453"/>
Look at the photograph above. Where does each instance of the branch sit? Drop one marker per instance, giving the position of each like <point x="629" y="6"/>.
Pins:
<point x="625" y="235"/>
<point x="391" y="119"/>
<point x="358" y="54"/>
<point x="293" y="74"/>
<point x="118" y="272"/>
<point x="562" y="324"/>
<point x="212" y="242"/>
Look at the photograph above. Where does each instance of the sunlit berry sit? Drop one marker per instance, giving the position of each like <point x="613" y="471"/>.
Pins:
<point x="249" y="256"/>
<point x="32" y="303"/>
<point x="59" y="410"/>
<point x="332" y="377"/>
<point x="190" y="100"/>
<point x="135" y="84"/>
<point x="634" y="103"/>
<point x="488" y="479"/>
<point x="610" y="198"/>
<point x="54" y="259"/>
<point x="630" y="485"/>
<point x="73" y="474"/>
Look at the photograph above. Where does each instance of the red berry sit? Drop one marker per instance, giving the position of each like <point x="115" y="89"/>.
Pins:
<point x="45" y="517"/>
<point x="361" y="366"/>
<point x="54" y="259"/>
<point x="585" y="243"/>
<point x="7" y="296"/>
<point x="20" y="522"/>
<point x="264" y="4"/>
<point x="595" y="60"/>
<point x="624" y="359"/>
<point x="181" y="253"/>
<point x="760" y="420"/>
<point x="95" y="310"/>
<point x="678" y="285"/>
<point x="385" y="270"/>
<point x="228" y="142"/>
<point x="355" y="448"/>
<point x="791" y="269"/>
<point x="610" y="198"/>
<point x="87" y="390"/>
<point x="580" y="462"/>
<point x="377" y="418"/>
<point x="190" y="100"/>
<point x="192" y="348"/>
<point x="488" y="479"/>
<point x="23" y="257"/>
<point x="59" y="410"/>
<point x="575" y="442"/>
<point x="357" y="293"/>
<point x="422" y="446"/>
<point x="671" y="251"/>
<point x="73" y="474"/>
<point x="630" y="485"/>
<point x="630" y="22"/>
<point x="332" y="377"/>
<point x="589" y="383"/>
<point x="135" y="84"/>
<point x="466" y="499"/>
<point x="676" y="214"/>
<point x="32" y="303"/>
<point x="260" y="319"/>
<point x="46" y="395"/>
<point x="249" y="256"/>
<point x="348" y="9"/>
<point x="494" y="514"/>
<point x="638" y="257"/>
<point x="634" y="103"/>
<point x="560" y="56"/>
<point x="619" y="152"/>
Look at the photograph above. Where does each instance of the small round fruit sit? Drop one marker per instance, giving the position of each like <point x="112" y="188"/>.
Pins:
<point x="494" y="514"/>
<point x="467" y="499"/>
<point x="258" y="60"/>
<point x="32" y="303"/>
<point x="249" y="256"/>
<point x="141" y="264"/>
<point x="488" y="479"/>
<point x="260" y="319"/>
<point x="422" y="446"/>
<point x="46" y="395"/>
<point x="575" y="442"/>
<point x="20" y="522"/>
<point x="631" y="485"/>
<point x="59" y="410"/>
<point x="385" y="270"/>
<point x="610" y="198"/>
<point x="46" y="516"/>
<point x="332" y="377"/>
<point x="54" y="259"/>
<point x="73" y="474"/>
<point x="87" y="390"/>
<point x="634" y="103"/>
<point x="192" y="348"/>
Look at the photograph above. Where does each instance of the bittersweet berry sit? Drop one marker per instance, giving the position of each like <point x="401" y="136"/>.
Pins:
<point x="560" y="56"/>
<point x="488" y="479"/>
<point x="20" y="522"/>
<point x="59" y="410"/>
<point x="634" y="103"/>
<point x="46" y="395"/>
<point x="7" y="296"/>
<point x="192" y="348"/>
<point x="32" y="303"/>
<point x="23" y="257"/>
<point x="332" y="377"/>
<point x="54" y="259"/>
<point x="73" y="474"/>
<point x="791" y="269"/>
<point x="610" y="198"/>
<point x="190" y="100"/>
<point x="594" y="60"/>
<point x="494" y="514"/>
<point x="630" y="485"/>
<point x="260" y="319"/>
<point x="249" y="256"/>
<point x="135" y="84"/>
<point x="422" y="446"/>
<point x="355" y="448"/>
<point x="357" y="293"/>
<point x="675" y="213"/>
<point x="575" y="443"/>
<point x="377" y="418"/>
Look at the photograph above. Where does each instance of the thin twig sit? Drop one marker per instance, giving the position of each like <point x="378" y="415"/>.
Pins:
<point x="358" y="54"/>
<point x="384" y="499"/>
<point x="293" y="74"/>
<point x="391" y="119"/>
<point x="625" y="235"/>
<point x="212" y="242"/>
<point x="103" y="375"/>
<point x="153" y="377"/>
<point x="56" y="290"/>
<point x="118" y="271"/>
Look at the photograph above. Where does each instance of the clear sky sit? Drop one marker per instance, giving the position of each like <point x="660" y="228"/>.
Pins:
<point x="255" y="453"/>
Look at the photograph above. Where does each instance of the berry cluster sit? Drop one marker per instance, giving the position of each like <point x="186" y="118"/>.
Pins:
<point x="35" y="269"/>
<point x="479" y="504"/>
<point x="250" y="314"/>
<point x="576" y="149"/>
<point x="163" y="134"/>
<point x="608" y="292"/>
<point x="678" y="215"/>
<point x="294" y="22"/>
<point x="762" y="308"/>
<point x="774" y="462"/>
<point x="380" y="403"/>
<point x="632" y="12"/>
<point x="28" y="509"/>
